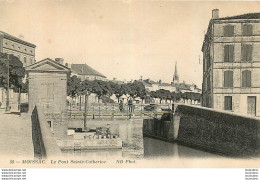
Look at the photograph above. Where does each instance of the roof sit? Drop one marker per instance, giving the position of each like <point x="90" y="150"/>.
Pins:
<point x="146" y="84"/>
<point x="84" y="69"/>
<point x="243" y="16"/>
<point x="47" y="65"/>
<point x="13" y="38"/>
<point x="165" y="84"/>
<point x="117" y="82"/>
<point x="183" y="86"/>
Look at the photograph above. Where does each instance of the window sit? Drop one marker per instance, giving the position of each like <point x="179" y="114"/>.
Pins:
<point x="25" y="50"/>
<point x="228" y="103"/>
<point x="246" y="78"/>
<point x="31" y="61"/>
<point x="251" y="105"/>
<point x="13" y="46"/>
<point x="247" y="30"/>
<point x="18" y="47"/>
<point x="24" y="60"/>
<point x="246" y="52"/>
<point x="228" y="31"/>
<point x="228" y="53"/>
<point x="228" y="79"/>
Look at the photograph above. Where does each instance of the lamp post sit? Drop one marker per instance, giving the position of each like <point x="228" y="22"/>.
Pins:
<point x="7" y="108"/>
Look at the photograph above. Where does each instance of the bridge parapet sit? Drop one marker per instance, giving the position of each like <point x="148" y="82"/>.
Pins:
<point x="44" y="143"/>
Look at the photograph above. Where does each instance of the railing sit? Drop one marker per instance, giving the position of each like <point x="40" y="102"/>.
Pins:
<point x="112" y="110"/>
<point x="43" y="141"/>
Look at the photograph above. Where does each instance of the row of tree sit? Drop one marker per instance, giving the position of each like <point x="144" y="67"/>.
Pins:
<point x="76" y="88"/>
<point x="166" y="95"/>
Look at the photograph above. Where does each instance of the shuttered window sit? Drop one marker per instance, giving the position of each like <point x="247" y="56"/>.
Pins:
<point x="246" y="52"/>
<point x="228" y="31"/>
<point x="228" y="53"/>
<point x="246" y="78"/>
<point x="228" y="79"/>
<point x="247" y="30"/>
<point x="228" y="103"/>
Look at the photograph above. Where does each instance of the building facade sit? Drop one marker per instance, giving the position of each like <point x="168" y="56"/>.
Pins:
<point x="231" y="64"/>
<point x="25" y="51"/>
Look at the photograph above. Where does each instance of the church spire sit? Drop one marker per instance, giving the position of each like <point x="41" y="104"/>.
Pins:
<point x="175" y="76"/>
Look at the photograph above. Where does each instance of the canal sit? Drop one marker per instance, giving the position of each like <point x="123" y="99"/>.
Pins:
<point x="135" y="145"/>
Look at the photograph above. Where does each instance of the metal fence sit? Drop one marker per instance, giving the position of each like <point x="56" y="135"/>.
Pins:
<point x="112" y="110"/>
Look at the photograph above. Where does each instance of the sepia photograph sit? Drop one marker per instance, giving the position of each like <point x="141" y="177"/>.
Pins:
<point x="129" y="84"/>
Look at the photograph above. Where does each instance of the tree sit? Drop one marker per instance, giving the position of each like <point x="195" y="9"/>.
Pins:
<point x="97" y="88"/>
<point x="162" y="94"/>
<point x="108" y="89"/>
<point x="73" y="86"/>
<point x="86" y="89"/>
<point x="119" y="91"/>
<point x="136" y="89"/>
<point x="16" y="73"/>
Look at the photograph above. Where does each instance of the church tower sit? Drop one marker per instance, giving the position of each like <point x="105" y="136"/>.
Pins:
<point x="175" y="79"/>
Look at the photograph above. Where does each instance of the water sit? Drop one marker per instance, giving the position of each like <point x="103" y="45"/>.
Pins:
<point x="135" y="145"/>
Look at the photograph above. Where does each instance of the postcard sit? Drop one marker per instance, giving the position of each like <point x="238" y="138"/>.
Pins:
<point x="129" y="84"/>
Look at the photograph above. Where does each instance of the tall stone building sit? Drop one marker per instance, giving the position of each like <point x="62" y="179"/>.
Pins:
<point x="25" y="51"/>
<point x="231" y="63"/>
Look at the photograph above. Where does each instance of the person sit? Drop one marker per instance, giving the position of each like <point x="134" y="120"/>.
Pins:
<point x="108" y="132"/>
<point x="121" y="105"/>
<point x="130" y="105"/>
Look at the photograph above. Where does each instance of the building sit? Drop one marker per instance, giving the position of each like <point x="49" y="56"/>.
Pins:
<point x="175" y="78"/>
<point x="25" y="51"/>
<point x="48" y="85"/>
<point x="83" y="71"/>
<point x="231" y="63"/>
<point x="174" y="86"/>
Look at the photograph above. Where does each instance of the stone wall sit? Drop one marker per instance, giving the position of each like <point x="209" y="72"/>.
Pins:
<point x="218" y="131"/>
<point x="158" y="129"/>
<point x="43" y="140"/>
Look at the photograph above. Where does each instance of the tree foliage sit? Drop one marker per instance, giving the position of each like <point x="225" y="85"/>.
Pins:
<point x="135" y="89"/>
<point x="16" y="72"/>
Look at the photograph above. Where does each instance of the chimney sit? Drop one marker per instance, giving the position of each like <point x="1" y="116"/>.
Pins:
<point x="215" y="13"/>
<point x="66" y="64"/>
<point x="59" y="60"/>
<point x="160" y="81"/>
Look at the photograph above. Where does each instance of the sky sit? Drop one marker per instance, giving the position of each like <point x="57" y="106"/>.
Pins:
<point x="121" y="39"/>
